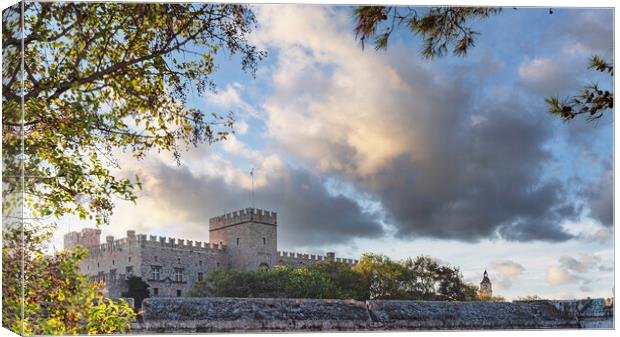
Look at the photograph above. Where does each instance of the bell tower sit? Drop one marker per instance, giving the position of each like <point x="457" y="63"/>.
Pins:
<point x="486" y="288"/>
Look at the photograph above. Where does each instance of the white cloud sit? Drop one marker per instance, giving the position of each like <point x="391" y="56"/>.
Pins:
<point x="230" y="98"/>
<point x="241" y="127"/>
<point x="557" y="276"/>
<point x="509" y="271"/>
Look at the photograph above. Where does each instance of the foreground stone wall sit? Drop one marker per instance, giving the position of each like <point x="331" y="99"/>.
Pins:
<point x="184" y="315"/>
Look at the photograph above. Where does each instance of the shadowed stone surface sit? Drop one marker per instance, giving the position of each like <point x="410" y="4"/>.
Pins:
<point x="185" y="315"/>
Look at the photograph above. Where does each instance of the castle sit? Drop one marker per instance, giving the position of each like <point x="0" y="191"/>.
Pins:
<point x="243" y="240"/>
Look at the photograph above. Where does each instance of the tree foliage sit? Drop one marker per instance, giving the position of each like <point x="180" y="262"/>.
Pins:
<point x="413" y="279"/>
<point x="136" y="289"/>
<point x="592" y="102"/>
<point x="374" y="277"/>
<point x="441" y="28"/>
<point x="55" y="297"/>
<point x="106" y="77"/>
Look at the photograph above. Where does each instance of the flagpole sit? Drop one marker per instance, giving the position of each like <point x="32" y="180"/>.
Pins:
<point x="252" y="175"/>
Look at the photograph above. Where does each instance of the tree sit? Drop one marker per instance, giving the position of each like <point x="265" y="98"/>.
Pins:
<point x="530" y="298"/>
<point x="97" y="78"/>
<point x="348" y="283"/>
<point x="136" y="289"/>
<point x="441" y="28"/>
<point x="413" y="279"/>
<point x="106" y="77"/>
<point x="592" y="102"/>
<point x="55" y="297"/>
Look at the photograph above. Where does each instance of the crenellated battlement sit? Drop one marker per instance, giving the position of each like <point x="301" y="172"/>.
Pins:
<point x="312" y="258"/>
<point x="242" y="216"/>
<point x="152" y="240"/>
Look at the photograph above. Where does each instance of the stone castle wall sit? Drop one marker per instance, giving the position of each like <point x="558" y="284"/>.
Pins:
<point x="299" y="260"/>
<point x="187" y="315"/>
<point x="136" y="255"/>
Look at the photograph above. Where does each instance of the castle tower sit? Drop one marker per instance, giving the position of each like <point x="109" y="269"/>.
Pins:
<point x="486" y="288"/>
<point x="250" y="237"/>
<point x="88" y="237"/>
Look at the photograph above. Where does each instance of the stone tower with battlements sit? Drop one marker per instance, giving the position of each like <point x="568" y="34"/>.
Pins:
<point x="250" y="236"/>
<point x="86" y="238"/>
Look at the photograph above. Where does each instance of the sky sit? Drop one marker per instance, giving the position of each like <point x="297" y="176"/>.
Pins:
<point x="364" y="151"/>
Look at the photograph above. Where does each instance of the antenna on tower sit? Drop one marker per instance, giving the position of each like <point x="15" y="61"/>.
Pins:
<point x="252" y="195"/>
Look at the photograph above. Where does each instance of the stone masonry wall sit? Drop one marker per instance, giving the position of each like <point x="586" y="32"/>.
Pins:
<point x="184" y="315"/>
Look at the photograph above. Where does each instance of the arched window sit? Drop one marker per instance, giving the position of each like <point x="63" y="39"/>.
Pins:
<point x="264" y="241"/>
<point x="263" y="266"/>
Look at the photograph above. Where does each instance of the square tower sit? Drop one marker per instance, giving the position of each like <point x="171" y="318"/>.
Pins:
<point x="250" y="237"/>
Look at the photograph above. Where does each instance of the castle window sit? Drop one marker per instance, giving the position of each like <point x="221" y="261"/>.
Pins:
<point x="155" y="291"/>
<point x="155" y="272"/>
<point x="129" y="270"/>
<point x="112" y="262"/>
<point x="155" y="258"/>
<point x="129" y="259"/>
<point x="179" y="260"/>
<point x="179" y="293"/>
<point x="221" y="243"/>
<point x="200" y="275"/>
<point x="264" y="241"/>
<point x="112" y="274"/>
<point x="178" y="274"/>
<point x="237" y="241"/>
<point x="218" y="264"/>
<point x="97" y="264"/>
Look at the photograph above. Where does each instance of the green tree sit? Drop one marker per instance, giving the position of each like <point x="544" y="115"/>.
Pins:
<point x="97" y="78"/>
<point x="55" y="297"/>
<point x="106" y="77"/>
<point x="441" y="28"/>
<point x="136" y="289"/>
<point x="348" y="283"/>
<point x="413" y="279"/>
<point x="592" y="102"/>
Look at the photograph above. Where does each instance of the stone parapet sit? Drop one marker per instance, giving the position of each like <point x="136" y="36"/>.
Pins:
<point x="152" y="240"/>
<point x="243" y="216"/>
<point x="312" y="257"/>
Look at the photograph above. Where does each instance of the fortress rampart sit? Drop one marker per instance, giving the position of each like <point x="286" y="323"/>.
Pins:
<point x="152" y="241"/>
<point x="311" y="258"/>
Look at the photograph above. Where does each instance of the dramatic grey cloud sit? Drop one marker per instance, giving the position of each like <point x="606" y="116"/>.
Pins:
<point x="443" y="160"/>
<point x="307" y="214"/>
<point x="600" y="198"/>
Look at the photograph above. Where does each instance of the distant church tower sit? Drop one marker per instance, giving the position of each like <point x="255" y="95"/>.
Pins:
<point x="486" y="288"/>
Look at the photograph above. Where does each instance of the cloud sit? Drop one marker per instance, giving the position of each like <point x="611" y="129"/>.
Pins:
<point x="550" y="77"/>
<point x="557" y="276"/>
<point x="590" y="30"/>
<point x="600" y="198"/>
<point x="442" y="163"/>
<point x="585" y="263"/>
<point x="509" y="272"/>
<point x="308" y="215"/>
<point x="230" y="98"/>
